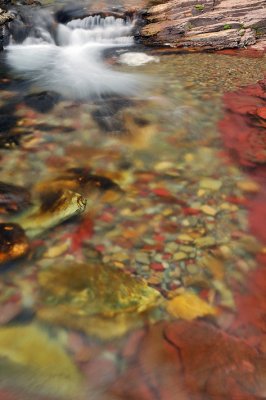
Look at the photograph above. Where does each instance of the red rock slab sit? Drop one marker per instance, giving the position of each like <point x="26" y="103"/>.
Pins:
<point x="190" y="361"/>
<point x="243" y="126"/>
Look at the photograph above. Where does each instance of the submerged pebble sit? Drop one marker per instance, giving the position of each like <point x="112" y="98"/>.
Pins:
<point x="13" y="198"/>
<point x="13" y="242"/>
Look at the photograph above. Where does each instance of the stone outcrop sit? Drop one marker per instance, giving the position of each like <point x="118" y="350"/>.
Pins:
<point x="5" y="16"/>
<point x="205" y="24"/>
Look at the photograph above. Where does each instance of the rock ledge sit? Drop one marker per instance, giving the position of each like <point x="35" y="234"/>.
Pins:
<point x="206" y="24"/>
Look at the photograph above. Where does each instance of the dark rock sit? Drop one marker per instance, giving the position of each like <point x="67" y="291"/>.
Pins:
<point x="69" y="12"/>
<point x="42" y="102"/>
<point x="13" y="242"/>
<point x="13" y="198"/>
<point x="107" y="115"/>
<point x="9" y="142"/>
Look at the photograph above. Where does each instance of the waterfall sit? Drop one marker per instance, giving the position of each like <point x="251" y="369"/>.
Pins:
<point x="68" y="58"/>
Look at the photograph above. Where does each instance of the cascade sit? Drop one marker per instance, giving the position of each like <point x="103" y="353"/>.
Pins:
<point x="68" y="59"/>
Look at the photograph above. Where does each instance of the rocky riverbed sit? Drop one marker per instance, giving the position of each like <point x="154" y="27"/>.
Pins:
<point x="132" y="235"/>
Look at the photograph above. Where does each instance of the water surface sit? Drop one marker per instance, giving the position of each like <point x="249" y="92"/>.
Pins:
<point x="174" y="223"/>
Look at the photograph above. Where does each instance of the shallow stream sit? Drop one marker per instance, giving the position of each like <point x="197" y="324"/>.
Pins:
<point x="165" y="214"/>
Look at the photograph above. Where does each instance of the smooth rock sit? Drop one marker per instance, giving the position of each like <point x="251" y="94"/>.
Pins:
<point x="210" y="184"/>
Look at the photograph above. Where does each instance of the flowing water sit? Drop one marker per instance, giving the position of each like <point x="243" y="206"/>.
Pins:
<point x="67" y="58"/>
<point x="126" y="177"/>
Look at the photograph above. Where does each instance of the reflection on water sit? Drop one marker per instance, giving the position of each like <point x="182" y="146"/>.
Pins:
<point x="135" y="215"/>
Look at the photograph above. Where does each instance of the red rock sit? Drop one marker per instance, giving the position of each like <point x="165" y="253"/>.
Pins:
<point x="106" y="217"/>
<point x="157" y="266"/>
<point x="190" y="360"/>
<point x="8" y="311"/>
<point x="257" y="217"/>
<point x="242" y="127"/>
<point x="261" y="112"/>
<point x="191" y="211"/>
<point x="162" y="192"/>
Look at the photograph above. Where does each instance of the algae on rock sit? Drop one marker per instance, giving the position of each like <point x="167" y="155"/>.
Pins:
<point x="95" y="299"/>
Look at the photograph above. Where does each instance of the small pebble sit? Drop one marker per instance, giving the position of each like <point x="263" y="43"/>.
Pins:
<point x="205" y="241"/>
<point x="180" y="256"/>
<point x="192" y="268"/>
<point x="209" y="210"/>
<point x="210" y="184"/>
<point x="142" y="258"/>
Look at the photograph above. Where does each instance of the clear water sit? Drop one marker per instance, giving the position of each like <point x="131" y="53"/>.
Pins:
<point x="158" y="140"/>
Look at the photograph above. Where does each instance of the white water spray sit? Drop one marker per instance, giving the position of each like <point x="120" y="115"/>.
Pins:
<point x="69" y="60"/>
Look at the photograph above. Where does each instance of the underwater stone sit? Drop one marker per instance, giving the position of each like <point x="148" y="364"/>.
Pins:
<point x="53" y="208"/>
<point x="13" y="242"/>
<point x="96" y="299"/>
<point x="13" y="198"/>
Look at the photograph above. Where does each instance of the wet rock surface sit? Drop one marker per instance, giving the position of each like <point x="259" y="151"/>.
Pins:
<point x="13" y="242"/>
<point x="205" y="25"/>
<point x="243" y="126"/>
<point x="52" y="209"/>
<point x="13" y="198"/>
<point x="95" y="299"/>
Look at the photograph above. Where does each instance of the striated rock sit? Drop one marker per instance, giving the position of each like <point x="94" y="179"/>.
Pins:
<point x="13" y="242"/>
<point x="95" y="299"/>
<point x="205" y="25"/>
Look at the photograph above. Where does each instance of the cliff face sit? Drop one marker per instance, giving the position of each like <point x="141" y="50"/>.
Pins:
<point x="206" y="24"/>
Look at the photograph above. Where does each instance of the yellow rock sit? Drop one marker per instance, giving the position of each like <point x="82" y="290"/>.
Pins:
<point x="180" y="256"/>
<point x="201" y="192"/>
<point x="185" y="238"/>
<point x="205" y="241"/>
<point x="189" y="158"/>
<point x="30" y="359"/>
<point x="215" y="266"/>
<point x="57" y="250"/>
<point x="53" y="208"/>
<point x="248" y="186"/>
<point x="228" y="207"/>
<point x="188" y="306"/>
<point x="90" y="297"/>
<point x="209" y="210"/>
<point x="210" y="184"/>
<point x="163" y="166"/>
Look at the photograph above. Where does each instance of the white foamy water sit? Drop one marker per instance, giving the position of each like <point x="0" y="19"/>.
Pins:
<point x="69" y="61"/>
<point x="137" y="59"/>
